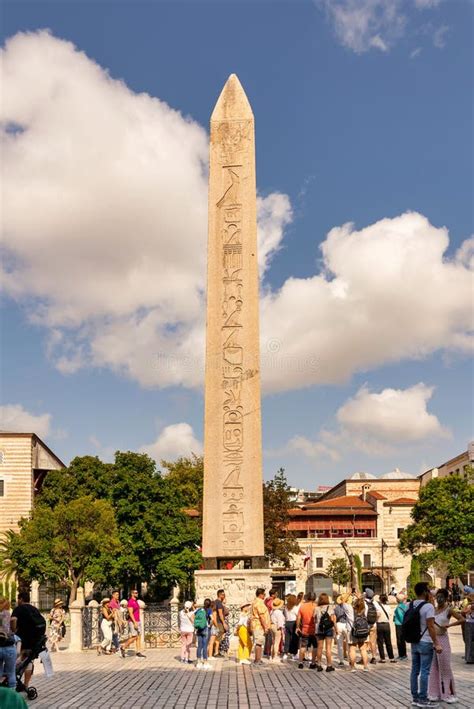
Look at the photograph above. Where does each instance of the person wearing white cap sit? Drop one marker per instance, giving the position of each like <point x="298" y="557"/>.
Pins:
<point x="186" y="627"/>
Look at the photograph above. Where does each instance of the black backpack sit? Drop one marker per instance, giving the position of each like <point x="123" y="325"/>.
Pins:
<point x="360" y="627"/>
<point x="371" y="613"/>
<point x="325" y="624"/>
<point x="411" y="626"/>
<point x="37" y="624"/>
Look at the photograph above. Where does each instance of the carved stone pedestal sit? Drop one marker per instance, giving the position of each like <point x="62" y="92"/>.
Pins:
<point x="239" y="584"/>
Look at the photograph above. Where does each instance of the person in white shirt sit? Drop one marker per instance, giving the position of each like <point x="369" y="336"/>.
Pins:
<point x="384" y="629"/>
<point x="291" y="639"/>
<point x="278" y="626"/>
<point x="186" y="627"/>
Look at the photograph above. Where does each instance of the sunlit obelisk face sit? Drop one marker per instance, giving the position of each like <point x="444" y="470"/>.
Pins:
<point x="233" y="507"/>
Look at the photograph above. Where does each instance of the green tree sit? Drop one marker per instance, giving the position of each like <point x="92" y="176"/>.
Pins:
<point x="76" y="541"/>
<point x="358" y="565"/>
<point x="186" y="477"/>
<point x="338" y="569"/>
<point x="158" y="542"/>
<point x="443" y="524"/>
<point x="279" y="543"/>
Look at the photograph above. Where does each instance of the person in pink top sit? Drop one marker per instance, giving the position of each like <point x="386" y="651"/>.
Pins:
<point x="114" y="606"/>
<point x="134" y="625"/>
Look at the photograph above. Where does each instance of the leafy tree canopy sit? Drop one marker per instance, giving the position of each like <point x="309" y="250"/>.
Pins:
<point x="279" y="545"/>
<point x="76" y="541"/>
<point x="443" y="524"/>
<point x="153" y="534"/>
<point x="186" y="477"/>
<point x="339" y="570"/>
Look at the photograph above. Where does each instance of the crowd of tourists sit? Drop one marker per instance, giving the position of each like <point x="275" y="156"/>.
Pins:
<point x="121" y="625"/>
<point x="356" y="628"/>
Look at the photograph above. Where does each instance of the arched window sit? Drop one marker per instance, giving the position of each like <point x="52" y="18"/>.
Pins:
<point x="2" y="457"/>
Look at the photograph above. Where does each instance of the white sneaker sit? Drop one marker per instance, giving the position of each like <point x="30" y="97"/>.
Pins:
<point x="451" y="700"/>
<point x="245" y="662"/>
<point x="284" y="658"/>
<point x="207" y="666"/>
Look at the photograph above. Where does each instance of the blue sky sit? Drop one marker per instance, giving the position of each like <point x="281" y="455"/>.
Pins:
<point x="362" y="118"/>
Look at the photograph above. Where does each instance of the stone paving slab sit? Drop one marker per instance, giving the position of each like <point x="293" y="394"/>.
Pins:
<point x="85" y="680"/>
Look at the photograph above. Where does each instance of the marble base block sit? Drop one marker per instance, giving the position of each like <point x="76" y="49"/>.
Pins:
<point x="239" y="584"/>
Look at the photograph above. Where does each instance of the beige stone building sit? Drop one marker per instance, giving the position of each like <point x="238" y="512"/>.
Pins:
<point x="367" y="513"/>
<point x="454" y="466"/>
<point x="24" y="461"/>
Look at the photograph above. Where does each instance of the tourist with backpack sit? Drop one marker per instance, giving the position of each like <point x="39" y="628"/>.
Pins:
<point x="30" y="626"/>
<point x="419" y="630"/>
<point x="201" y="628"/>
<point x="371" y="610"/>
<point x="358" y="633"/>
<point x="325" y="621"/>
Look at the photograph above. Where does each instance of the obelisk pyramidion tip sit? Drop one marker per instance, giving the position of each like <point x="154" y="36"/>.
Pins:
<point x="233" y="102"/>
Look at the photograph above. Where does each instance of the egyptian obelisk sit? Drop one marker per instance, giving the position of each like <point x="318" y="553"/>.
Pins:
<point x="233" y="499"/>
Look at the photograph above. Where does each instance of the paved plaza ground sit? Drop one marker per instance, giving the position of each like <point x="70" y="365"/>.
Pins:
<point x="87" y="681"/>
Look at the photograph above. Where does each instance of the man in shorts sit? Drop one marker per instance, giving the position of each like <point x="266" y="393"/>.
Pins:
<point x="260" y="623"/>
<point x="306" y="629"/>
<point x="134" y="625"/>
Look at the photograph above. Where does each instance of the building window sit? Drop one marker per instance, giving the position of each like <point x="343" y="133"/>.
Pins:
<point x="319" y="562"/>
<point x="399" y="532"/>
<point x="2" y="457"/>
<point x="367" y="561"/>
<point x="2" y="488"/>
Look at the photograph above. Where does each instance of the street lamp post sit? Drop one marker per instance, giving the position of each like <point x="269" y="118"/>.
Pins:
<point x="384" y="546"/>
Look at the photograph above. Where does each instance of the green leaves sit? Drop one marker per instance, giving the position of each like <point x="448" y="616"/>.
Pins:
<point x="338" y="569"/>
<point x="443" y="527"/>
<point x="279" y="545"/>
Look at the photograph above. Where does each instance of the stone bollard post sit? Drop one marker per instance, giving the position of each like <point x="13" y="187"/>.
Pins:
<point x="75" y="614"/>
<point x="174" y="618"/>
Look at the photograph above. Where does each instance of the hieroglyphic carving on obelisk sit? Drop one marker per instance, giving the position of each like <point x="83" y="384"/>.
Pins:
<point x="233" y="505"/>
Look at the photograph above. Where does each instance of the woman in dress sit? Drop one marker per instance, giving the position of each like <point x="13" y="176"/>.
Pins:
<point x="441" y="682"/>
<point x="107" y="617"/>
<point x="56" y="624"/>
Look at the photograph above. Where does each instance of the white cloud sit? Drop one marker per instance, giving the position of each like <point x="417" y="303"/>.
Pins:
<point x="391" y="416"/>
<point x="274" y="213"/>
<point x="426" y="4"/>
<point x="105" y="215"/>
<point x="386" y="293"/>
<point x="439" y="36"/>
<point x="14" y="418"/>
<point x="376" y="423"/>
<point x="105" y="240"/>
<point x="173" y="442"/>
<point x="361" y="25"/>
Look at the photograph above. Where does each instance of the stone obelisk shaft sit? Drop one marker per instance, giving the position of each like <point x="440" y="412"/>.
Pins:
<point x="233" y="504"/>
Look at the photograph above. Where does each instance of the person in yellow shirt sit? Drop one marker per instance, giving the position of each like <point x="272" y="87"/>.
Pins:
<point x="260" y="622"/>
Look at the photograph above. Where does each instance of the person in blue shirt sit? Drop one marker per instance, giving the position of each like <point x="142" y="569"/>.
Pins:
<point x="398" y="620"/>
